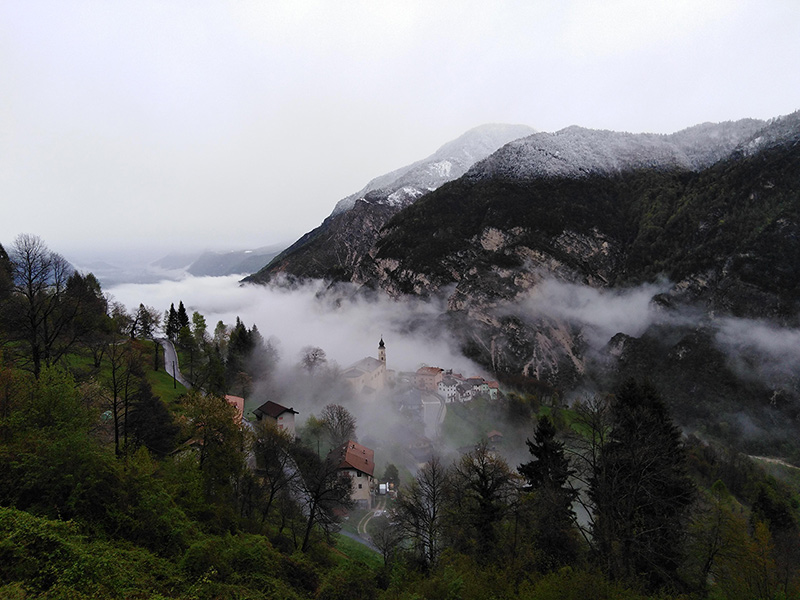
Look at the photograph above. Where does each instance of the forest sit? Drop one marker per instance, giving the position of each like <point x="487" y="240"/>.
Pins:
<point x="118" y="482"/>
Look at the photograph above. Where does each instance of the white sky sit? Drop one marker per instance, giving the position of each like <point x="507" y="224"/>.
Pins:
<point x="169" y="125"/>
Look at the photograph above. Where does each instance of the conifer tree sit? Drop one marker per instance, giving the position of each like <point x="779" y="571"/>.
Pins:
<point x="641" y="490"/>
<point x="173" y="325"/>
<point x="549" y="474"/>
<point x="183" y="317"/>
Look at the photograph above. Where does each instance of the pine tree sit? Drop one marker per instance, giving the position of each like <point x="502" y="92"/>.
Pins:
<point x="549" y="474"/>
<point x="173" y="325"/>
<point x="183" y="317"/>
<point x="641" y="490"/>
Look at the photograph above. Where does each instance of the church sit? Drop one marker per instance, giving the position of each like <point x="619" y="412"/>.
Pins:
<point x="368" y="375"/>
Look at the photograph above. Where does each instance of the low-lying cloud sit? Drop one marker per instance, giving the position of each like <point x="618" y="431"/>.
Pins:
<point x="347" y="330"/>
<point x="760" y="350"/>
<point x="599" y="313"/>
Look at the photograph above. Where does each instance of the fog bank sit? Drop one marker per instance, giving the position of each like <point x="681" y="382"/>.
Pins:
<point x="347" y="327"/>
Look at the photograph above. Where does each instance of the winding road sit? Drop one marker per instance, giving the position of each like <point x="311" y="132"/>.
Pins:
<point x="171" y="362"/>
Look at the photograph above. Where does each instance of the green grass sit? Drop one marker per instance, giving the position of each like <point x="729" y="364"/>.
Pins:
<point x="81" y="364"/>
<point x="358" y="552"/>
<point x="353" y="517"/>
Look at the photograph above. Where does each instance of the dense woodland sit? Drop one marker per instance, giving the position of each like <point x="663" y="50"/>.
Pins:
<point x="115" y="482"/>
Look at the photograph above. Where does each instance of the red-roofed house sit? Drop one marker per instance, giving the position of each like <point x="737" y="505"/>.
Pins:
<point x="280" y="415"/>
<point x="428" y="378"/>
<point x="359" y="463"/>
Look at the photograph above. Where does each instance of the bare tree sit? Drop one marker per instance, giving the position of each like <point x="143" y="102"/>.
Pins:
<point x="419" y="511"/>
<point x="482" y="492"/>
<point x="339" y="424"/>
<point x="40" y="281"/>
<point x="592" y="429"/>
<point x="274" y="463"/>
<point x="326" y="492"/>
<point x="386" y="537"/>
<point x="122" y="382"/>
<point x="312" y="358"/>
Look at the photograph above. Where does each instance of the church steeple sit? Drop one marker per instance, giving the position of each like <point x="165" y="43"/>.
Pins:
<point x="382" y="351"/>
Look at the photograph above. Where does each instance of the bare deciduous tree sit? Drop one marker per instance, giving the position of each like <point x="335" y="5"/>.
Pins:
<point x="312" y="358"/>
<point x="40" y="281"/>
<point x="419" y="512"/>
<point x="339" y="425"/>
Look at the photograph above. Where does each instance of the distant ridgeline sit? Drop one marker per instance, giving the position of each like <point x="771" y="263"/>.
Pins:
<point x="711" y="212"/>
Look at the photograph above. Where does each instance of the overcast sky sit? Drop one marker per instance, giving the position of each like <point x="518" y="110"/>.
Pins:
<point x="168" y="124"/>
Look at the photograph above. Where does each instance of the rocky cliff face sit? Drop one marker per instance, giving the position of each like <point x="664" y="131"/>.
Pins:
<point x="726" y="236"/>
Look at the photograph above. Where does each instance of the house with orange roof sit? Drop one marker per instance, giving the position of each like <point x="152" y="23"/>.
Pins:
<point x="359" y="463"/>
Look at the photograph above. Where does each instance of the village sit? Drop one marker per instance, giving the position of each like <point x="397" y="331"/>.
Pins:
<point x="420" y="398"/>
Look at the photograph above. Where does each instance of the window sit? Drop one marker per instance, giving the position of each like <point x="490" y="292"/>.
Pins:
<point x="359" y="486"/>
<point x="359" y="473"/>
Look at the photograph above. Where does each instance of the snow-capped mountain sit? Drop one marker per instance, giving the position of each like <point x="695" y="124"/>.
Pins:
<point x="577" y="152"/>
<point x="403" y="186"/>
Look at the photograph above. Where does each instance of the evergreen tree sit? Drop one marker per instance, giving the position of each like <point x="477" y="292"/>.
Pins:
<point x="172" y="323"/>
<point x="150" y="423"/>
<point x="183" y="317"/>
<point x="641" y="490"/>
<point x="549" y="475"/>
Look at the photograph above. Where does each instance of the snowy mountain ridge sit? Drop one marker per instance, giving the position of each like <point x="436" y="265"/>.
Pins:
<point x="404" y="185"/>
<point x="577" y="152"/>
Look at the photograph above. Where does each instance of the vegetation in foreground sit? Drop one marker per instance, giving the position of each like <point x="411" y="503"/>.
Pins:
<point x="109" y="490"/>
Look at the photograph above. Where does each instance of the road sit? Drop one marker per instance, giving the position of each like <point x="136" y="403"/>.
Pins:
<point x="380" y="506"/>
<point x="171" y="362"/>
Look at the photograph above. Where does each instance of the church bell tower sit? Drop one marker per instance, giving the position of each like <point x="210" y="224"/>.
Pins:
<point x="382" y="351"/>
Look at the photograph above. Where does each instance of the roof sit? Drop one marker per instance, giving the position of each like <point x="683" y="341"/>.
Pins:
<point x="494" y="433"/>
<point x="365" y="365"/>
<point x="429" y="371"/>
<point x="273" y="409"/>
<point x="238" y="403"/>
<point x="352" y="455"/>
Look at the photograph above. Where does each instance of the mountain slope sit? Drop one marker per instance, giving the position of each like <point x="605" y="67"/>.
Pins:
<point x="335" y="247"/>
<point x="602" y="228"/>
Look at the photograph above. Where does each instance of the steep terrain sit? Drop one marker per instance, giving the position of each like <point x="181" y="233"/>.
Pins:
<point x="533" y="245"/>
<point x="334" y="249"/>
<point x="718" y="248"/>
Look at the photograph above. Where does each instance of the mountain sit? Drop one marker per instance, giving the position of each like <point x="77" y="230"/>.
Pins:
<point x="336" y="246"/>
<point x="533" y="243"/>
<point x="616" y="209"/>
<point x="176" y="260"/>
<point x="233" y="262"/>
<point x="578" y="152"/>
<point x="218" y="263"/>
